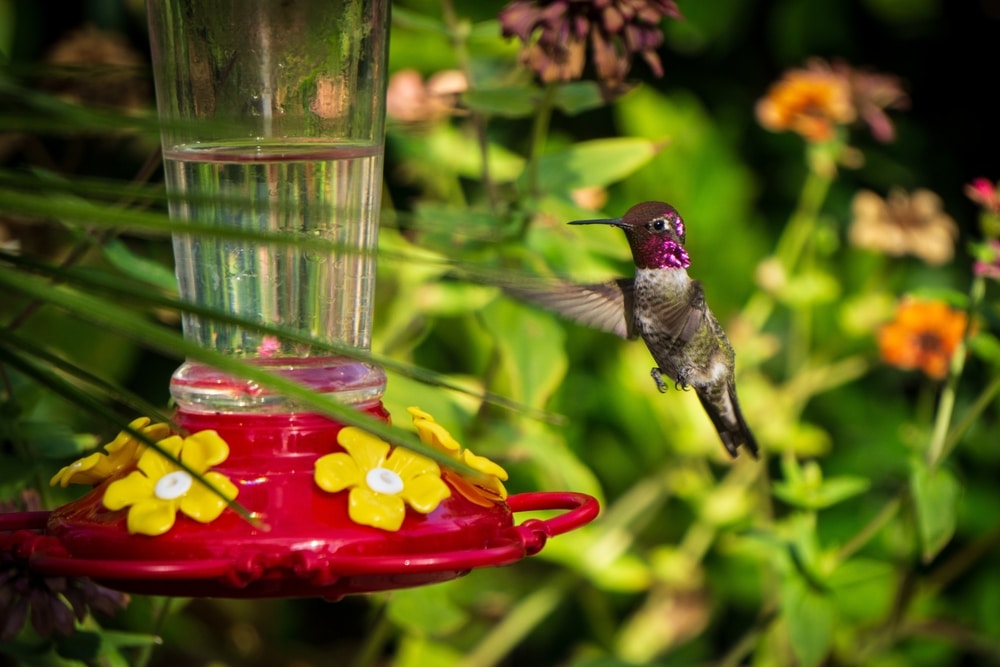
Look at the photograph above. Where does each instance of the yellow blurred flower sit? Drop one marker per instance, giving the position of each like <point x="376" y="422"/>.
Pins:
<point x="487" y="488"/>
<point x="923" y="335"/>
<point x="381" y="482"/>
<point x="902" y="224"/>
<point x="160" y="488"/>
<point x="123" y="451"/>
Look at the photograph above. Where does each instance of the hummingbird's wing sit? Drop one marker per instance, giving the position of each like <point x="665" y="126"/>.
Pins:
<point x="604" y="306"/>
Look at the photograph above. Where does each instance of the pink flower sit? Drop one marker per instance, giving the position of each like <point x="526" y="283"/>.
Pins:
<point x="984" y="193"/>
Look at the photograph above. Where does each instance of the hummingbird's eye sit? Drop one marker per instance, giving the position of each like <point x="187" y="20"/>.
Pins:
<point x="659" y="225"/>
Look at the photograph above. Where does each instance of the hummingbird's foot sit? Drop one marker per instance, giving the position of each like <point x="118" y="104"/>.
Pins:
<point x="657" y="375"/>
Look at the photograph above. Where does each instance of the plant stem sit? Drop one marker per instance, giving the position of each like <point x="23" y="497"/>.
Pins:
<point x="792" y="242"/>
<point x="539" y="134"/>
<point x="519" y="622"/>
<point x="459" y="34"/>
<point x="870" y="529"/>
<point x="946" y="406"/>
<point x="969" y="418"/>
<point x="375" y="640"/>
<point x="745" y="644"/>
<point x="146" y="652"/>
<point x="961" y="561"/>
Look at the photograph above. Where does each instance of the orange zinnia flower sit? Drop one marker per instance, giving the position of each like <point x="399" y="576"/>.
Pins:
<point x="923" y="335"/>
<point x="815" y="99"/>
<point x="809" y="101"/>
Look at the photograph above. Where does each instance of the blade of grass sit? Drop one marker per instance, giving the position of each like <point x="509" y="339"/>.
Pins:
<point x="95" y="281"/>
<point x="57" y="384"/>
<point x="114" y="317"/>
<point x="106" y="389"/>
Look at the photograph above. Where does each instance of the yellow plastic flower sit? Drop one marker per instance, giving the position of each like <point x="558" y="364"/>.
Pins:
<point x="159" y="488"/>
<point x="381" y="483"/>
<point x="485" y="489"/>
<point x="123" y="451"/>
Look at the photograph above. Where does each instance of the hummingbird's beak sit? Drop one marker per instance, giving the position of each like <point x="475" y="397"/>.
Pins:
<point x="615" y="222"/>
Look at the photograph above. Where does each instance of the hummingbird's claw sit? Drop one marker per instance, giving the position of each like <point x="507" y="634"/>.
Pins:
<point x="657" y="375"/>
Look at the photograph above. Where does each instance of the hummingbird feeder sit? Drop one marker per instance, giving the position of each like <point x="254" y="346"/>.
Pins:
<point x="272" y="117"/>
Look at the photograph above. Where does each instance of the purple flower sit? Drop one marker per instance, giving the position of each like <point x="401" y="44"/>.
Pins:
<point x="556" y="33"/>
<point x="49" y="602"/>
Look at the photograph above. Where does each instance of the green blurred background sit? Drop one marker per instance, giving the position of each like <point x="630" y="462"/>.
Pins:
<point x="839" y="547"/>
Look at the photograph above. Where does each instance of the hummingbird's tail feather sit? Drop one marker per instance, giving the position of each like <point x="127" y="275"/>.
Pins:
<point x="729" y="422"/>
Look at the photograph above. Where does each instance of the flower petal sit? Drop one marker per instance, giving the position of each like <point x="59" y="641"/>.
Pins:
<point x="467" y="490"/>
<point x="154" y="464"/>
<point x="376" y="509"/>
<point x="204" y="505"/>
<point x="417" y="413"/>
<point x="129" y="490"/>
<point x="336" y="472"/>
<point x="152" y="516"/>
<point x="433" y="434"/>
<point x="367" y="450"/>
<point x="483" y="465"/>
<point x="82" y="471"/>
<point x="204" y="449"/>
<point x="156" y="432"/>
<point x="408" y="464"/>
<point x="124" y="437"/>
<point x="425" y="493"/>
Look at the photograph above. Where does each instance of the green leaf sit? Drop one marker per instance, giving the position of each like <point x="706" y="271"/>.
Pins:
<point x="141" y="268"/>
<point x="809" y="288"/>
<point x="407" y="18"/>
<point x="805" y="486"/>
<point x="863" y="589"/>
<point x="578" y="96"/>
<point x="810" y="617"/>
<point x="428" y="610"/>
<point x="588" y="163"/>
<point x="421" y="652"/>
<point x="446" y="148"/>
<point x="986" y="346"/>
<point x="511" y="102"/>
<point x="53" y="440"/>
<point x="935" y="497"/>
<point x="953" y="298"/>
<point x="830" y="492"/>
<point x="87" y="646"/>
<point x="531" y="350"/>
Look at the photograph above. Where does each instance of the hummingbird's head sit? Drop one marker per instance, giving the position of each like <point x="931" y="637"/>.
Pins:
<point x="655" y="233"/>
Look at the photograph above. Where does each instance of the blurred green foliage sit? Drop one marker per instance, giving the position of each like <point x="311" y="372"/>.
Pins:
<point x="865" y="535"/>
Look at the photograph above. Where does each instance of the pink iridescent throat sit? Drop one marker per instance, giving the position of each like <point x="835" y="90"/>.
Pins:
<point x="664" y="255"/>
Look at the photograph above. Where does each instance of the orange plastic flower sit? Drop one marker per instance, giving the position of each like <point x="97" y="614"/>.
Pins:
<point x="811" y="102"/>
<point x="487" y="487"/>
<point x="924" y="335"/>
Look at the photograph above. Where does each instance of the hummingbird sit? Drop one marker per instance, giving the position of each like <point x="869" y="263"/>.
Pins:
<point x="667" y="309"/>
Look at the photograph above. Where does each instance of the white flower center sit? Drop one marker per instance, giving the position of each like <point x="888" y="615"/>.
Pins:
<point x="173" y="485"/>
<point x="383" y="480"/>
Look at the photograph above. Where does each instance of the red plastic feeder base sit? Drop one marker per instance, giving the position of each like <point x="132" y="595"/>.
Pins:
<point x="304" y="544"/>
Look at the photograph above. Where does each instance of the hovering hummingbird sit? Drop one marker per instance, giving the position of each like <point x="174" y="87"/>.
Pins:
<point x="667" y="309"/>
